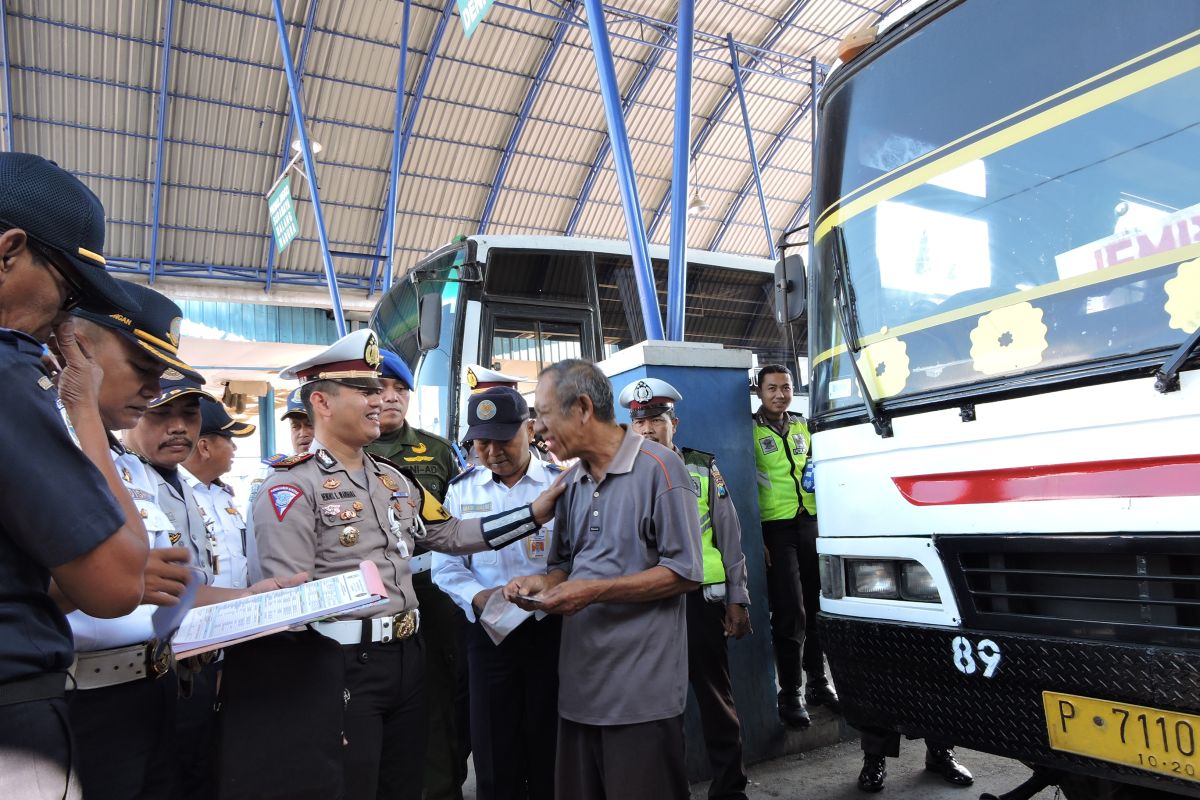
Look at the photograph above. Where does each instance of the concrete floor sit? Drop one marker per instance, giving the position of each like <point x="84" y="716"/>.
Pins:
<point x="828" y="773"/>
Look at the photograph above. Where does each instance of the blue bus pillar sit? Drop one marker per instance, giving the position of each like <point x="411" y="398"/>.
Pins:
<point x="266" y="423"/>
<point x="714" y="416"/>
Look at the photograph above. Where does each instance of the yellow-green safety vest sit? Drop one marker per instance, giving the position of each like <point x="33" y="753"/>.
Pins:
<point x="699" y="466"/>
<point x="780" y="462"/>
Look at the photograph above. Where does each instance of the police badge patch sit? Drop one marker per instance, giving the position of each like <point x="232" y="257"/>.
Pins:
<point x="282" y="499"/>
<point x="768" y="444"/>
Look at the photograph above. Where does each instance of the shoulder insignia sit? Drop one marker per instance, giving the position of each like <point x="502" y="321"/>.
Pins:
<point x="718" y="479"/>
<point x="469" y="470"/>
<point x="282" y="498"/>
<point x="271" y="461"/>
<point x="292" y="461"/>
<point x="325" y="459"/>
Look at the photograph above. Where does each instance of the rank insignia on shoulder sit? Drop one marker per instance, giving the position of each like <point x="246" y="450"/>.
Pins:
<point x="325" y="460"/>
<point x="292" y="461"/>
<point x="431" y="509"/>
<point x="282" y="499"/>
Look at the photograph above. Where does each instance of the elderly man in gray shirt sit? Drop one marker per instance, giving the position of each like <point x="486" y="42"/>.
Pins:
<point x="626" y="551"/>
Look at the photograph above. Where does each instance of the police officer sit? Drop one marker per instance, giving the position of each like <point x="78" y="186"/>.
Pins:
<point x="514" y="682"/>
<point x="432" y="460"/>
<point x="353" y="724"/>
<point x="211" y="458"/>
<point x="300" y="426"/>
<point x="718" y="609"/>
<point x="122" y="708"/>
<point x="788" y="508"/>
<point x="81" y="528"/>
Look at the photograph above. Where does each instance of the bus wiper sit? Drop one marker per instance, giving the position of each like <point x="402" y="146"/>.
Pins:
<point x="1167" y="377"/>
<point x="847" y="318"/>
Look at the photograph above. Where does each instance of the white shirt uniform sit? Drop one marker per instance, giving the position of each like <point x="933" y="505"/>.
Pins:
<point x="93" y="634"/>
<point x="476" y="493"/>
<point x="225" y="528"/>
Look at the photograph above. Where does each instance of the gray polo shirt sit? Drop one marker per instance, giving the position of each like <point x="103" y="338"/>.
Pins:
<point x="624" y="663"/>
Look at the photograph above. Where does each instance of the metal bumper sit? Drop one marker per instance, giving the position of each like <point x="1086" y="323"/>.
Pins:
<point x="913" y="679"/>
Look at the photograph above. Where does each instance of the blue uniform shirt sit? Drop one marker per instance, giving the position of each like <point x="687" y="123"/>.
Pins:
<point x="57" y="508"/>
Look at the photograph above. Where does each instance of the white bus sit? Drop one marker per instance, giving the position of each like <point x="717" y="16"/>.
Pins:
<point x="520" y="303"/>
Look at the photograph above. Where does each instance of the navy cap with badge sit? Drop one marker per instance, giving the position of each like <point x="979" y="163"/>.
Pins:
<point x="393" y="366"/>
<point x="154" y="326"/>
<point x="649" y="397"/>
<point x="295" y="406"/>
<point x="64" y="217"/>
<point x="352" y="360"/>
<point x="496" y="414"/>
<point x="173" y="386"/>
<point x="214" y="419"/>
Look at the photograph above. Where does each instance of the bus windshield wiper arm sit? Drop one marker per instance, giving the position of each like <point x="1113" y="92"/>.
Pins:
<point x="847" y="318"/>
<point x="1167" y="377"/>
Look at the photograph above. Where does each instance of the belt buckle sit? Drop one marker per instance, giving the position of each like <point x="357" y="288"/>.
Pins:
<point x="404" y="625"/>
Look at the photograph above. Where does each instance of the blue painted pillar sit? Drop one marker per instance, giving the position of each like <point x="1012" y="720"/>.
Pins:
<point x="677" y="264"/>
<point x="639" y="248"/>
<point x="397" y="134"/>
<point x="741" y="94"/>
<point x="266" y="423"/>
<point x="8" y="101"/>
<point x="160" y="137"/>
<point x="310" y="167"/>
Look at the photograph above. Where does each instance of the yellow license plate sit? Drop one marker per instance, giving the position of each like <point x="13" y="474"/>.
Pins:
<point x="1162" y="742"/>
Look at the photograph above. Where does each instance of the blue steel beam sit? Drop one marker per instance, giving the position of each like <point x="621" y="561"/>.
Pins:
<point x="677" y="256"/>
<point x="289" y="126"/>
<point x="631" y="95"/>
<point x="535" y="88"/>
<point x="626" y="176"/>
<point x="8" y="112"/>
<point x="163" y="87"/>
<point x="389" y="213"/>
<point x="310" y="167"/>
<point x="755" y="173"/>
<point x="710" y="123"/>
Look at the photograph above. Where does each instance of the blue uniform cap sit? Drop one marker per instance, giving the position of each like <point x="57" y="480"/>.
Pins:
<point x="174" y="386"/>
<point x="215" y="419"/>
<point x="393" y="366"/>
<point x="295" y="406"/>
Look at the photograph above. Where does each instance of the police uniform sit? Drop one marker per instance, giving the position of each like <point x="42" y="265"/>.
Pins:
<point x="338" y="709"/>
<point x="725" y="581"/>
<point x="294" y="408"/>
<point x="123" y="705"/>
<point x="788" y="509"/>
<point x="513" y="683"/>
<point x="434" y="462"/>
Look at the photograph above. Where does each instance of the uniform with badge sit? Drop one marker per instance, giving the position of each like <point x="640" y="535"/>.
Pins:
<point x="123" y="705"/>
<point x="725" y="582"/>
<point x="513" y="683"/>
<point x="337" y="709"/>
<point x="434" y="462"/>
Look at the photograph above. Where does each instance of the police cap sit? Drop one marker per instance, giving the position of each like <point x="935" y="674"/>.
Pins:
<point x="649" y="397"/>
<point x="352" y="360"/>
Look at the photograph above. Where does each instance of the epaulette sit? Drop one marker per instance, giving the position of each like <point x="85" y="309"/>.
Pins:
<point x="462" y="475"/>
<point x="292" y="461"/>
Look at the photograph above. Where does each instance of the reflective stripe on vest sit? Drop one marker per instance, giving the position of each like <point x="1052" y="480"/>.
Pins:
<point x="699" y="466"/>
<point x="780" y="464"/>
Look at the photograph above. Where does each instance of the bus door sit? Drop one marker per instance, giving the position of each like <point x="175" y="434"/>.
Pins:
<point x="523" y="340"/>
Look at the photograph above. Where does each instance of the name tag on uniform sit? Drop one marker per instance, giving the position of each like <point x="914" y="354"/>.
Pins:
<point x="535" y="544"/>
<point x="768" y="444"/>
<point x="475" y="508"/>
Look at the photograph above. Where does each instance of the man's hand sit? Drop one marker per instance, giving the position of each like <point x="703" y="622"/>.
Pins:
<point x="271" y="584"/>
<point x="480" y="599"/>
<point x="167" y="575"/>
<point x="527" y="586"/>
<point x="571" y="597"/>
<point x="737" y="621"/>
<point x="543" y="506"/>
<point x="79" y="381"/>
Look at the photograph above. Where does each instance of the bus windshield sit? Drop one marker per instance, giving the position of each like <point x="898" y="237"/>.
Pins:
<point x="1008" y="215"/>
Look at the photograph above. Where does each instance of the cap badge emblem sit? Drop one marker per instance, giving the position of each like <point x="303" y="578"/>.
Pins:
<point x="486" y="410"/>
<point x="642" y="392"/>
<point x="173" y="333"/>
<point x="349" y="536"/>
<point x="171" y="374"/>
<point x="371" y="353"/>
<point x="472" y="381"/>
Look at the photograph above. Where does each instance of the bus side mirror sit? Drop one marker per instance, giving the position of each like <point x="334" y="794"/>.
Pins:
<point x="791" y="289"/>
<point x="429" y="327"/>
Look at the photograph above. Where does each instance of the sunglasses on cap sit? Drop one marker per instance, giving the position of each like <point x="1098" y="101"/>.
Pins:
<point x="46" y="254"/>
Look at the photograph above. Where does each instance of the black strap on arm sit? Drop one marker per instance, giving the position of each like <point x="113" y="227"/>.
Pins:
<point x="506" y="527"/>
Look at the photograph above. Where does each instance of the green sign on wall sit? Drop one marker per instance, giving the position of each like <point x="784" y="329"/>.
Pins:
<point x="471" y="13"/>
<point x="283" y="214"/>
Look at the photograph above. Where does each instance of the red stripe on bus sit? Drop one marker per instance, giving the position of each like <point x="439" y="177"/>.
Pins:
<point x="1166" y="476"/>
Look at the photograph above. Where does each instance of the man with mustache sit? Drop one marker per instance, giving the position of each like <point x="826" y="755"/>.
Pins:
<point x="300" y="425"/>
<point x="122" y="709"/>
<point x="51" y="241"/>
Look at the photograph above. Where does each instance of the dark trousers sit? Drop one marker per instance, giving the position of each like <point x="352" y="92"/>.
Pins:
<point x="35" y="751"/>
<point x="514" y="710"/>
<point x="794" y="593"/>
<point x="708" y="672"/>
<point x="125" y="739"/>
<point x="385" y="723"/>
<point x="880" y="742"/>
<point x="445" y="764"/>
<point x="195" y="724"/>
<point x="643" y="761"/>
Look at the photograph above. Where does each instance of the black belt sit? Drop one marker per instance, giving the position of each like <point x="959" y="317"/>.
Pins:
<point x="43" y="686"/>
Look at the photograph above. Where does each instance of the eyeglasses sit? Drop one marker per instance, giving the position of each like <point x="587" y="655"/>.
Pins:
<point x="74" y="290"/>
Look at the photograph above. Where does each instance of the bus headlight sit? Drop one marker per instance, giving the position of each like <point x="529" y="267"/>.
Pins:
<point x="873" y="579"/>
<point x="917" y="584"/>
<point x="889" y="579"/>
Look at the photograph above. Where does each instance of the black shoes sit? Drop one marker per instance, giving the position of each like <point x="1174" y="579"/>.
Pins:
<point x="873" y="774"/>
<point x="822" y="695"/>
<point x="792" y="710"/>
<point x="941" y="760"/>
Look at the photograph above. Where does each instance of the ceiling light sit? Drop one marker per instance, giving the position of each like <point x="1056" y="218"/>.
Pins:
<point x="316" y="146"/>
<point x="697" y="205"/>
